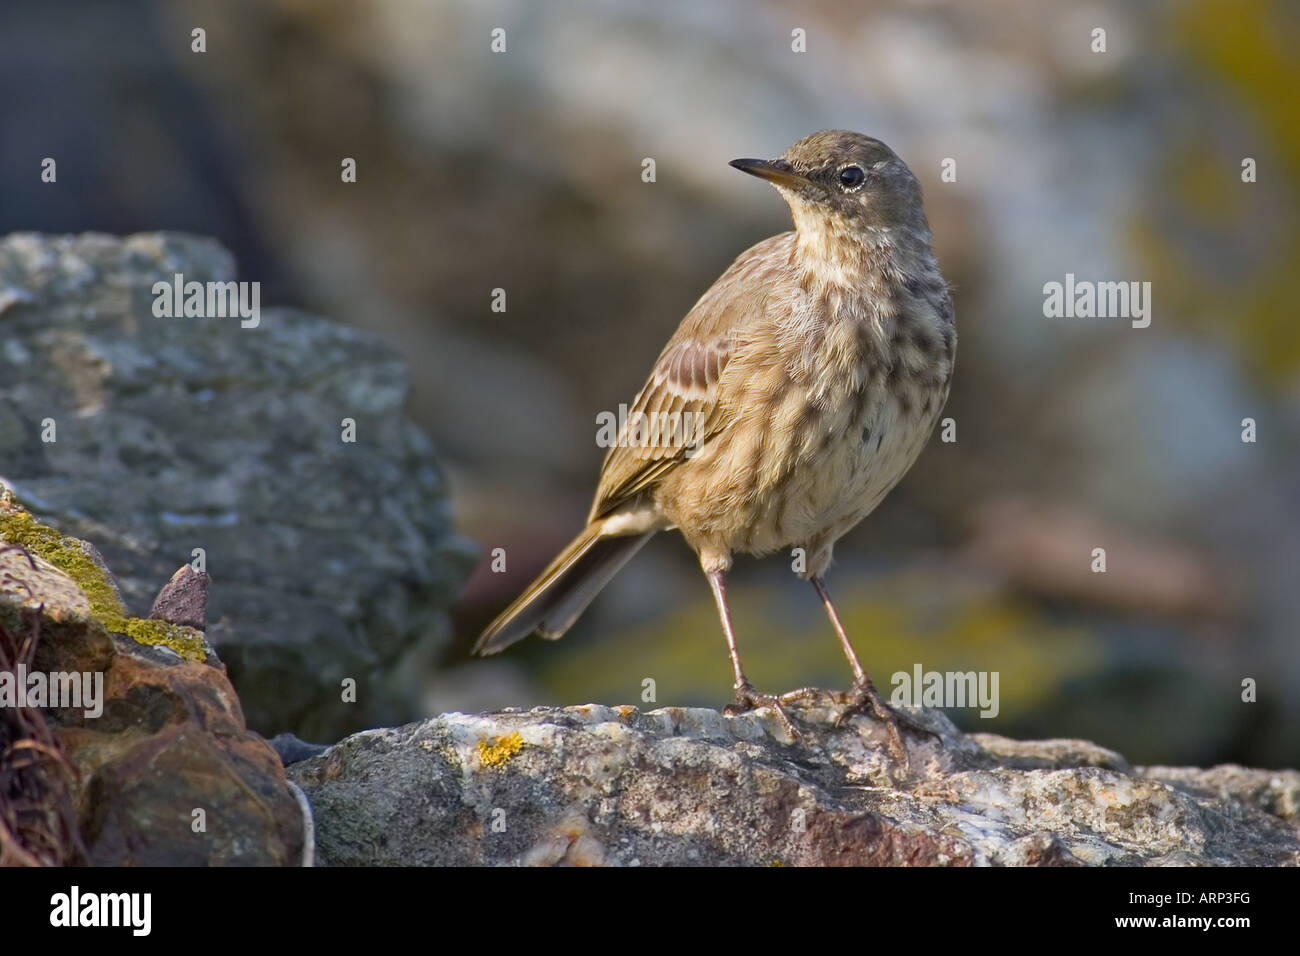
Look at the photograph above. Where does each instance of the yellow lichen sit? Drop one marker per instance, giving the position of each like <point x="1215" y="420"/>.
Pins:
<point x="17" y="526"/>
<point x="498" y="754"/>
<point x="185" y="641"/>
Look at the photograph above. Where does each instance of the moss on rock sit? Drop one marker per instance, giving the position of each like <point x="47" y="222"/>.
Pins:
<point x="77" y="561"/>
<point x="17" y="526"/>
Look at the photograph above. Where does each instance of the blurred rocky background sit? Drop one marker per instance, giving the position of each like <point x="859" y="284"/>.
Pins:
<point x="522" y="171"/>
<point x="167" y="440"/>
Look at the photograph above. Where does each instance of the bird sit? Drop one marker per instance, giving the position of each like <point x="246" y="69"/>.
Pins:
<point x="792" y="398"/>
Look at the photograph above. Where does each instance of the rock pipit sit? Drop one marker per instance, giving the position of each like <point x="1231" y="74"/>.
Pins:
<point x="794" y="395"/>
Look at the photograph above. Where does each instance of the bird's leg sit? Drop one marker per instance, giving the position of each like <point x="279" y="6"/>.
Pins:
<point x="864" y="697"/>
<point x="747" y="698"/>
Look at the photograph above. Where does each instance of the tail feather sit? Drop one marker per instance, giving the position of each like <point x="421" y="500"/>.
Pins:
<point x="553" y="602"/>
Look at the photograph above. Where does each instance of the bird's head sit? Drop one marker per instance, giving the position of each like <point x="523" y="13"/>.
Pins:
<point x="846" y="185"/>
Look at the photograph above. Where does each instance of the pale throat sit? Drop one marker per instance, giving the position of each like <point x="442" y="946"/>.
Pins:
<point x="835" y="254"/>
<point x="851" y="272"/>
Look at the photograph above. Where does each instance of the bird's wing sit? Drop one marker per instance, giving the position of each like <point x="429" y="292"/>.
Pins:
<point x="672" y="416"/>
<point x="682" y="405"/>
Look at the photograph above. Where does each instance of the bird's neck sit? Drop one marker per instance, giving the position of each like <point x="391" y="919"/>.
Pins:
<point x="834" y="254"/>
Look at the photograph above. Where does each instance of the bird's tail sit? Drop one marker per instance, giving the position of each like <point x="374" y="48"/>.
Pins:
<point x="552" y="603"/>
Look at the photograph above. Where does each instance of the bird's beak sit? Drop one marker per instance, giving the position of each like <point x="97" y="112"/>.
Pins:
<point x="776" y="171"/>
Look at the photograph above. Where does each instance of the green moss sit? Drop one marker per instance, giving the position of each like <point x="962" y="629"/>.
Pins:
<point x="185" y="641"/>
<point x="17" y="526"/>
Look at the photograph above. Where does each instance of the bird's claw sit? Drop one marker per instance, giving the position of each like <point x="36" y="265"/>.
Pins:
<point x="863" y="699"/>
<point x="747" y="699"/>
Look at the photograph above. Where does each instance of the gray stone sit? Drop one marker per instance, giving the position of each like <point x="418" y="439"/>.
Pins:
<point x="685" y="786"/>
<point x="329" y="560"/>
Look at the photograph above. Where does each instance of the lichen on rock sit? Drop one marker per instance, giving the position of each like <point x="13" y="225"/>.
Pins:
<point x="498" y="753"/>
<point x="613" y="786"/>
<point x="168" y="735"/>
<point x="83" y="565"/>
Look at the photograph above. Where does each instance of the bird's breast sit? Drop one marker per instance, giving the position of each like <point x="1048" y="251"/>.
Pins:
<point x="834" y="401"/>
<point x="874" y="379"/>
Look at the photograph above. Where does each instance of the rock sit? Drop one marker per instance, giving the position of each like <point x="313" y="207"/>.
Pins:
<point x="168" y="739"/>
<point x="676" y="786"/>
<point x="336" y="560"/>
<point x="183" y="599"/>
<point x="38" y="823"/>
<point x="291" y="749"/>
<point x="31" y="582"/>
<point x="65" y="579"/>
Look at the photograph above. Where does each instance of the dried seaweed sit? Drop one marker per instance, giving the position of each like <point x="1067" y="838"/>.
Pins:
<point x="38" y="824"/>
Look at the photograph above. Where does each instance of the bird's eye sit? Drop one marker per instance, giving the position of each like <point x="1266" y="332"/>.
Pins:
<point x="852" y="176"/>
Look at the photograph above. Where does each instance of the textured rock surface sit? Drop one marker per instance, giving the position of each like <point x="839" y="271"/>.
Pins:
<point x="330" y="560"/>
<point x="601" y="785"/>
<point x="170" y="739"/>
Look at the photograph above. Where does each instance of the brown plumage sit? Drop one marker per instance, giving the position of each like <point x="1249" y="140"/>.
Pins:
<point x="794" y="395"/>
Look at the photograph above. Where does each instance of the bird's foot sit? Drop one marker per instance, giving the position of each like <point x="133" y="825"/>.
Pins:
<point x="747" y="698"/>
<point x="863" y="699"/>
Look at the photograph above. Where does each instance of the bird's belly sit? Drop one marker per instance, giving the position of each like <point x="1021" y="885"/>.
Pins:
<point x="857" y="465"/>
<point x="797" y="483"/>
